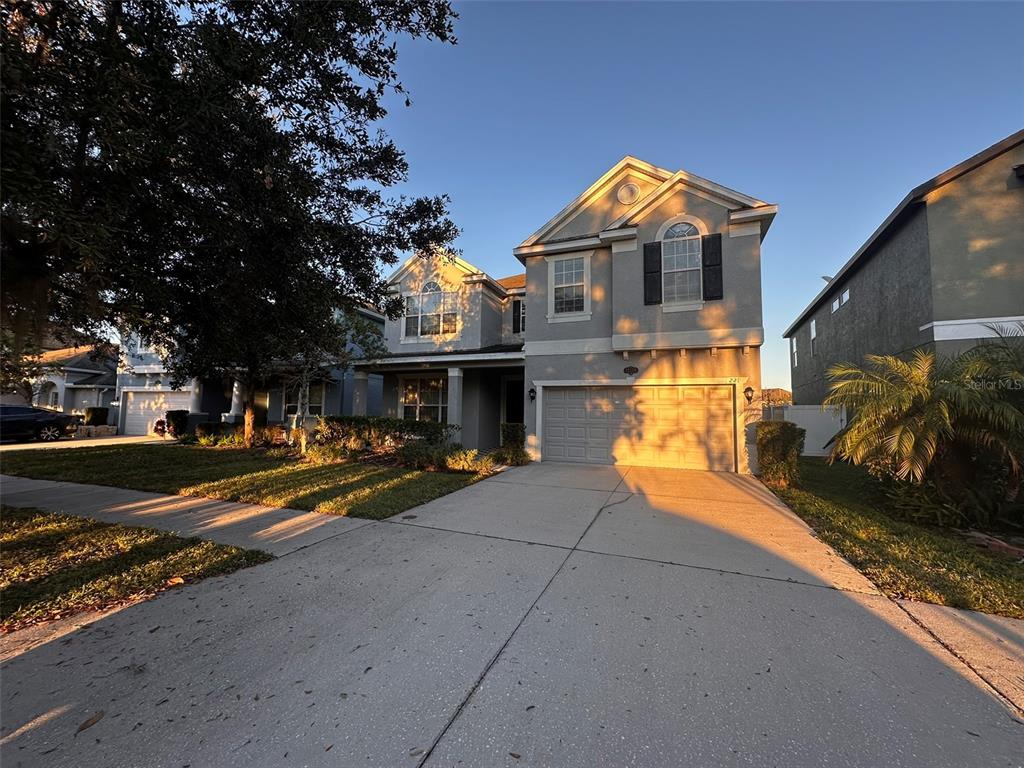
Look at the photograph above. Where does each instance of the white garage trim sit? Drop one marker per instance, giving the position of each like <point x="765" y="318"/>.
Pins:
<point x="736" y="382"/>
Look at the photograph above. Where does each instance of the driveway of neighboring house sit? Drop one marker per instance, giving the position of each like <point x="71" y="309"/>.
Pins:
<point x="551" y="615"/>
<point x="82" y="442"/>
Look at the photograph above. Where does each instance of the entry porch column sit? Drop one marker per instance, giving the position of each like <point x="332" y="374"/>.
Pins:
<point x="360" y="384"/>
<point x="455" y="403"/>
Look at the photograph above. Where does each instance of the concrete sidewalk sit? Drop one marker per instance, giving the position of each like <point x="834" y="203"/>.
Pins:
<point x="272" y="529"/>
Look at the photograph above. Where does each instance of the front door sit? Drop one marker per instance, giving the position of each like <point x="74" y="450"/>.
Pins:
<point x="513" y="401"/>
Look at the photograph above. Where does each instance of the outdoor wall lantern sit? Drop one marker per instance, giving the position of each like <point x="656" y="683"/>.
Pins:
<point x="533" y="394"/>
<point x="749" y="394"/>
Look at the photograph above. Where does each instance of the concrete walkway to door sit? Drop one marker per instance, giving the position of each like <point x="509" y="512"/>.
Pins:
<point x="551" y="615"/>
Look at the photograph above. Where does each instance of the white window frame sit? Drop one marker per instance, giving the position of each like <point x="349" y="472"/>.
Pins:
<point x="702" y="230"/>
<point x="814" y="335"/>
<point x="793" y="351"/>
<point x="844" y="296"/>
<point x="686" y="303"/>
<point x="446" y="296"/>
<point x="418" y="406"/>
<point x="568" y="317"/>
<point x="287" y="402"/>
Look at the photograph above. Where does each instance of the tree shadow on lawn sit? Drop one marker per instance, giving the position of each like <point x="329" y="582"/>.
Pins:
<point x="85" y="566"/>
<point x="356" y="490"/>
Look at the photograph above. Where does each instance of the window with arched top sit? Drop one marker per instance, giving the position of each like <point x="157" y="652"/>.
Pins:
<point x="680" y="264"/>
<point x="431" y="312"/>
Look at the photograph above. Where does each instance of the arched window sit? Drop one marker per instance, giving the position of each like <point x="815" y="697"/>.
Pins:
<point x="680" y="264"/>
<point x="431" y="312"/>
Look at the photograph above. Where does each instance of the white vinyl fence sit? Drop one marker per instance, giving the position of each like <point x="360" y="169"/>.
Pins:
<point x="820" y="424"/>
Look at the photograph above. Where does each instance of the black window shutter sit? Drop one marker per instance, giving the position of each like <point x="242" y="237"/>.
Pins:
<point x="652" y="273"/>
<point x="711" y="266"/>
<point x="517" y="316"/>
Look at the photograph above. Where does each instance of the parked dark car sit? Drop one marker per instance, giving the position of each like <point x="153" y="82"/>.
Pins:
<point x="22" y="422"/>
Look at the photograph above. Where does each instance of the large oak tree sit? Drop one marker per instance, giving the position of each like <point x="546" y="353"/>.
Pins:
<point x="209" y="174"/>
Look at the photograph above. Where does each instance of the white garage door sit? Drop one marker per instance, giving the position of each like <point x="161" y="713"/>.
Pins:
<point x="142" y="409"/>
<point x="681" y="426"/>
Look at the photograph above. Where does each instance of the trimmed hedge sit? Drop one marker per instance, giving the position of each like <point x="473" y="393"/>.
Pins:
<point x="779" y="445"/>
<point x="177" y="423"/>
<point x="95" y="416"/>
<point x="513" y="435"/>
<point x="377" y="432"/>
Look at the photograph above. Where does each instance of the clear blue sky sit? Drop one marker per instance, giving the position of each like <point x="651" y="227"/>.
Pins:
<point x="834" y="112"/>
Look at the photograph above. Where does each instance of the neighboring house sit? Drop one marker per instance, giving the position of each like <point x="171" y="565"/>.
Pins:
<point x="76" y="378"/>
<point x="945" y="266"/>
<point x="144" y="392"/>
<point x="632" y="338"/>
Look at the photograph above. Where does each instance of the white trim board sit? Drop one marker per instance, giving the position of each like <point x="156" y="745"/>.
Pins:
<point x="716" y="337"/>
<point x="455" y="357"/>
<point x="968" y="328"/>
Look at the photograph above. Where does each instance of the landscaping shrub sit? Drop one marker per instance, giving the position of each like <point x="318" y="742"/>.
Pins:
<point x="422" y="455"/>
<point x="177" y="423"/>
<point x="95" y="416"/>
<point x="513" y="435"/>
<point x="206" y="429"/>
<point x="378" y="432"/>
<point x="512" y="456"/>
<point x="327" y="454"/>
<point x="470" y="460"/>
<point x="779" y="445"/>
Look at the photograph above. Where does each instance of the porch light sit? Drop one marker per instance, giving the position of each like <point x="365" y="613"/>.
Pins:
<point x="533" y="394"/>
<point x="749" y="394"/>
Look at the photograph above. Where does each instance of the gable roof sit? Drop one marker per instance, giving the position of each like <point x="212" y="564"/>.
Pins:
<point x="84" y="358"/>
<point x="667" y="183"/>
<point x="913" y="198"/>
<point x="582" y="200"/>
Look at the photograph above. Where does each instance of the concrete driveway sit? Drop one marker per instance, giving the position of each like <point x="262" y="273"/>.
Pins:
<point x="551" y="616"/>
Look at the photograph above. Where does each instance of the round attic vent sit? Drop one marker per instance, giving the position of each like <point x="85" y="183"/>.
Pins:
<point x="628" y="193"/>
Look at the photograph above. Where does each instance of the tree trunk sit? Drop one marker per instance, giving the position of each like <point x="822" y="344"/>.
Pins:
<point x="250" y="417"/>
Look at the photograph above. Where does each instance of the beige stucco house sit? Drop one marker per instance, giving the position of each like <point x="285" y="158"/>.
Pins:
<point x="632" y="337"/>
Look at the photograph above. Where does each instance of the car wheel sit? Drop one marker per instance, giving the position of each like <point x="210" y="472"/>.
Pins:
<point x="49" y="433"/>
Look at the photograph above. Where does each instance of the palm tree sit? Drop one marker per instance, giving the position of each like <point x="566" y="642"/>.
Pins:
<point x="927" y="418"/>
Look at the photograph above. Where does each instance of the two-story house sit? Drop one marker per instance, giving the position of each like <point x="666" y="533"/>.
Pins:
<point x="144" y="392"/>
<point x="944" y="271"/>
<point x="633" y="337"/>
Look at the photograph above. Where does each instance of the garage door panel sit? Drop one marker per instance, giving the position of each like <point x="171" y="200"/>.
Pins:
<point x="683" y="426"/>
<point x="142" y="409"/>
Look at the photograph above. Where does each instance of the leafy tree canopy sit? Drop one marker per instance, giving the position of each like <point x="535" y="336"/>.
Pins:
<point x="209" y="174"/>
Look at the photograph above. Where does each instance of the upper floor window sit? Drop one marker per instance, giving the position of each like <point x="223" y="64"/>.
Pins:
<point x="792" y="345"/>
<point x="431" y="312"/>
<point x="569" y="285"/>
<point x="680" y="264"/>
<point x="814" y="337"/>
<point x="841" y="299"/>
<point x="518" y="316"/>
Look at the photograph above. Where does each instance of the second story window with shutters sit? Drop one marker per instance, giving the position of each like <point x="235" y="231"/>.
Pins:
<point x="431" y="312"/>
<point x="680" y="264"/>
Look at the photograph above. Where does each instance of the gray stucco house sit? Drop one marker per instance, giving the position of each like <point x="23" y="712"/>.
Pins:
<point x="144" y="392"/>
<point x="632" y="336"/>
<point x="943" y="268"/>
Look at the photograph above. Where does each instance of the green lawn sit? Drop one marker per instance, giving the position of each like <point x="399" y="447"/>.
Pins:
<point x="356" y="490"/>
<point x="55" y="565"/>
<point x="903" y="559"/>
